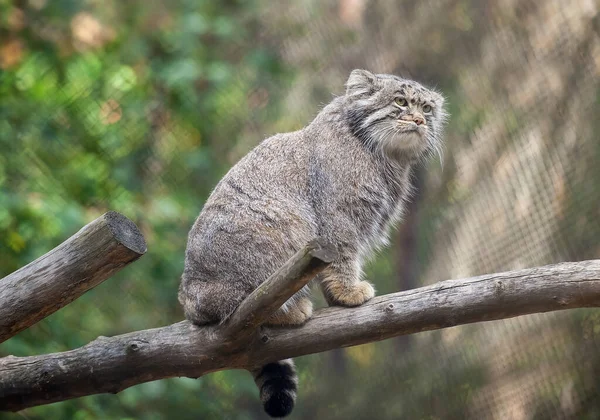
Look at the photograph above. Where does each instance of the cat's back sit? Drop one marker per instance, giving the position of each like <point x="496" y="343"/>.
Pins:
<point x="273" y="174"/>
<point x="261" y="205"/>
<point x="279" y="161"/>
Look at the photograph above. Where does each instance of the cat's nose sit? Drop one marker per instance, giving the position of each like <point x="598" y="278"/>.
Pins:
<point x="417" y="118"/>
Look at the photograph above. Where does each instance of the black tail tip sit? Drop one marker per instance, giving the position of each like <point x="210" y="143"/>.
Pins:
<point x="280" y="404"/>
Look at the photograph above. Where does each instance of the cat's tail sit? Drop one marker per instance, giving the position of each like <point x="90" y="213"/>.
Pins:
<point x="277" y="383"/>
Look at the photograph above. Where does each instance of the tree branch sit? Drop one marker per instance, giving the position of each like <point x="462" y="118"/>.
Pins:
<point x="113" y="364"/>
<point x="279" y="287"/>
<point x="83" y="261"/>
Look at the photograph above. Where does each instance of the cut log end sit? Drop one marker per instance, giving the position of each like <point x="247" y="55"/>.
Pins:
<point x="126" y="232"/>
<point x="321" y="249"/>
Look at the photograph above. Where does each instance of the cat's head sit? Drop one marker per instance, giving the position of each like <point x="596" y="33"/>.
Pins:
<point x="400" y="117"/>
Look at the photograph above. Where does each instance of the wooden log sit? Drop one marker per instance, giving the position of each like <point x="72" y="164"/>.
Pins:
<point x="113" y="364"/>
<point x="83" y="261"/>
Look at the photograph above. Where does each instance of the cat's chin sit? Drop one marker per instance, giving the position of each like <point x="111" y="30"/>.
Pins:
<point x="410" y="140"/>
<point x="407" y="144"/>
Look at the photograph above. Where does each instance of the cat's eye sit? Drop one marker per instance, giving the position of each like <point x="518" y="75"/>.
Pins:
<point x="401" y="102"/>
<point x="427" y="109"/>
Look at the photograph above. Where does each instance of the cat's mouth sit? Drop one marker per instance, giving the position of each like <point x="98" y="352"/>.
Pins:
<point x="406" y="137"/>
<point x="409" y="126"/>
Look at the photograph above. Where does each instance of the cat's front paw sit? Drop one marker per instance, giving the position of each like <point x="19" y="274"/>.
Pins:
<point x="349" y="295"/>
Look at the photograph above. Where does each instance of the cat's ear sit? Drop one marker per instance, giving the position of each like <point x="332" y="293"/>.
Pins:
<point x="360" y="82"/>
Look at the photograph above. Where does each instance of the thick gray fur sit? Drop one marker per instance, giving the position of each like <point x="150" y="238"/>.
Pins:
<point x="345" y="177"/>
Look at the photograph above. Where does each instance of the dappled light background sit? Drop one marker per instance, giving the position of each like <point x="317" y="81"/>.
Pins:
<point x="141" y="106"/>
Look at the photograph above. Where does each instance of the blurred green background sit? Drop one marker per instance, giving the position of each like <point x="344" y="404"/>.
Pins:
<point x="141" y="106"/>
